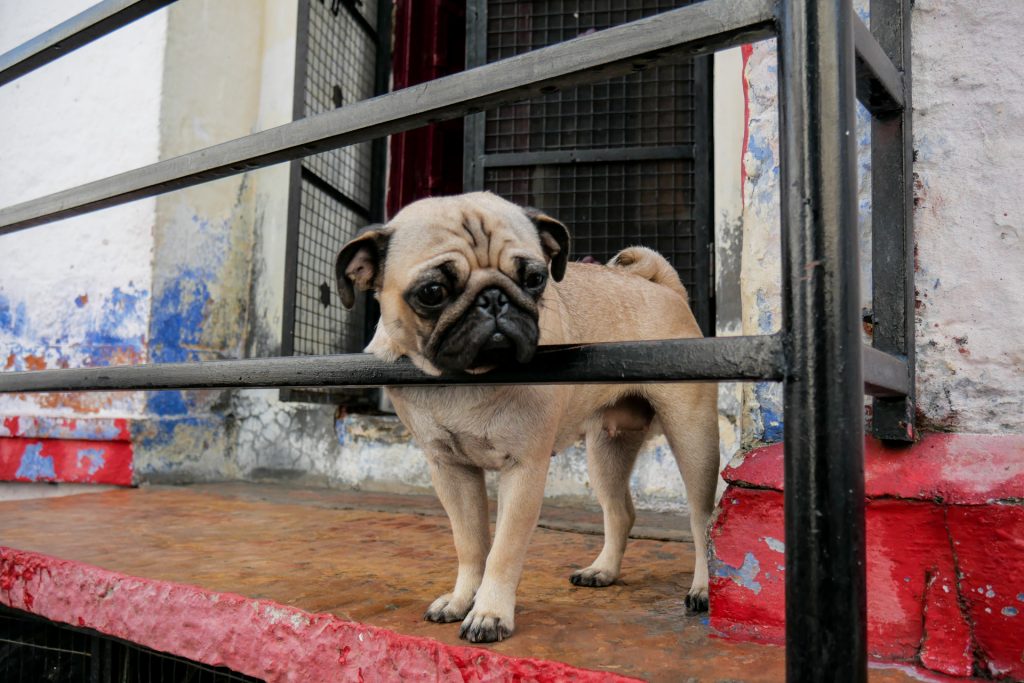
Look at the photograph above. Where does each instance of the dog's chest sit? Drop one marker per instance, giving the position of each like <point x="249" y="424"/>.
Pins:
<point x="461" y="446"/>
<point x="468" y="428"/>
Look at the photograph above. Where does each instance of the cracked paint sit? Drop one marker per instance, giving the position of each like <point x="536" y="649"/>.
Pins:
<point x="77" y="428"/>
<point x="34" y="466"/>
<point x="744" y="575"/>
<point x="92" y="458"/>
<point x="106" y="330"/>
<point x="66" y="460"/>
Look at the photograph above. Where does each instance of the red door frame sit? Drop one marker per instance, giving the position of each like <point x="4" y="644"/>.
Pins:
<point x="429" y="42"/>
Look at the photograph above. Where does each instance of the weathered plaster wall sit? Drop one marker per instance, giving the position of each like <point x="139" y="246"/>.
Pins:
<point x="728" y="122"/>
<point x="760" y="264"/>
<point x="968" y="113"/>
<point x="760" y="269"/>
<point x="969" y="216"/>
<point x="218" y="265"/>
<point x="222" y="80"/>
<point x="77" y="292"/>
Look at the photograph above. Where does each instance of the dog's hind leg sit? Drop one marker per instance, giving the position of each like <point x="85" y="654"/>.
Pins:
<point x="689" y="418"/>
<point x="610" y="461"/>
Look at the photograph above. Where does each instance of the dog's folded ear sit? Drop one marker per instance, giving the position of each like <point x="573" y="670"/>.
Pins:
<point x="360" y="263"/>
<point x="554" y="239"/>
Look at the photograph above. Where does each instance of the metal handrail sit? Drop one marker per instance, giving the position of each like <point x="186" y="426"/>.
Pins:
<point x="83" y="28"/>
<point x="695" y="29"/>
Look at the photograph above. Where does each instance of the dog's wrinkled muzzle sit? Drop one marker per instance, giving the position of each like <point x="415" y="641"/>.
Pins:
<point x="494" y="331"/>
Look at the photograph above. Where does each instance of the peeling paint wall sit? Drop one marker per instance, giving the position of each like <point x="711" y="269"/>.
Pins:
<point x="77" y="292"/>
<point x="968" y="114"/>
<point x="728" y="122"/>
<point x="202" y="240"/>
<point x="760" y="269"/>
<point x="219" y="84"/>
<point x="969" y="215"/>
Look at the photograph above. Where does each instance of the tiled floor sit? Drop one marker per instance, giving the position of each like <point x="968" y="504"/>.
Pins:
<point x="380" y="560"/>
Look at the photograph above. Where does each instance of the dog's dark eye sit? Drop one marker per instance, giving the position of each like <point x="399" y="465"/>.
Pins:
<point x="432" y="294"/>
<point x="534" y="280"/>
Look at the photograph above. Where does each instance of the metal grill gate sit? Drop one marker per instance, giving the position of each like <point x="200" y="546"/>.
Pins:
<point x="622" y="162"/>
<point x="827" y="60"/>
<point x="340" y="59"/>
<point x="34" y="649"/>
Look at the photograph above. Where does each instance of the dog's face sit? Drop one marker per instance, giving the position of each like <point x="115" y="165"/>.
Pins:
<point x="459" y="279"/>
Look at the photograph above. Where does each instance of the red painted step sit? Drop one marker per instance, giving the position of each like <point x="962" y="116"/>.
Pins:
<point x="945" y="555"/>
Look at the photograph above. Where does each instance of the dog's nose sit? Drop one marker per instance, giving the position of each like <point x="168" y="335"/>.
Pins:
<point x="492" y="301"/>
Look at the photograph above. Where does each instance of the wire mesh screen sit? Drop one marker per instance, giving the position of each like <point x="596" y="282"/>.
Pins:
<point x="340" y="70"/>
<point x="602" y="199"/>
<point x="644" y="109"/>
<point x="653" y="108"/>
<point x="34" y="650"/>
<point x="333" y="193"/>
<point x="322" y="325"/>
<point x="647" y="135"/>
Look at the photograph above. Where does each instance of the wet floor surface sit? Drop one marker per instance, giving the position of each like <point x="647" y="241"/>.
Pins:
<point x="380" y="560"/>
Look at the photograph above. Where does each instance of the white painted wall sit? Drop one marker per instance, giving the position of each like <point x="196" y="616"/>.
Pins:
<point x="728" y="123"/>
<point x="76" y="292"/>
<point x="219" y="247"/>
<point x="968" y="118"/>
<point x="969" y="139"/>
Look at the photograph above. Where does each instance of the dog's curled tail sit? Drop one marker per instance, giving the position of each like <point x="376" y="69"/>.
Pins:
<point x="649" y="265"/>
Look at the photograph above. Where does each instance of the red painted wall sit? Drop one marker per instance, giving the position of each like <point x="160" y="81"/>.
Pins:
<point x="94" y="451"/>
<point x="945" y="556"/>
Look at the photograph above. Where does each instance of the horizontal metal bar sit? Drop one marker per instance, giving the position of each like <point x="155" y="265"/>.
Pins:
<point x="691" y="30"/>
<point x="588" y="156"/>
<point x="723" y="358"/>
<point x="884" y="374"/>
<point x="97" y="21"/>
<point x="879" y="82"/>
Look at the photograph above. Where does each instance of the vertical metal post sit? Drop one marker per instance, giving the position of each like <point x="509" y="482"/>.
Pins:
<point x="892" y="223"/>
<point x="291" y="250"/>
<point x="702" y="298"/>
<point x="474" y="124"/>
<point x="381" y="85"/>
<point x="826" y="634"/>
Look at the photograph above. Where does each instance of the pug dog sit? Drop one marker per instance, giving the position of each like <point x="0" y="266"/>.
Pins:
<point x="473" y="282"/>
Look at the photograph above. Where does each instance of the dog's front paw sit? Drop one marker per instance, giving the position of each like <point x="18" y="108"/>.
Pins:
<point x="697" y="600"/>
<point x="483" y="627"/>
<point x="447" y="609"/>
<point x="593" y="577"/>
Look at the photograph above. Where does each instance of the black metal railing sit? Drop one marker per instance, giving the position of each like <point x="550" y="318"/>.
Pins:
<point x="828" y="60"/>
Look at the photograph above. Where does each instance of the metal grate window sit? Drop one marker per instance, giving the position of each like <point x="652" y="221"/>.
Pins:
<point x="340" y="60"/>
<point x="34" y="649"/>
<point x="623" y="162"/>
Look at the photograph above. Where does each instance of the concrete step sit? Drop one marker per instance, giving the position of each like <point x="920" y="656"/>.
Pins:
<point x="302" y="584"/>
